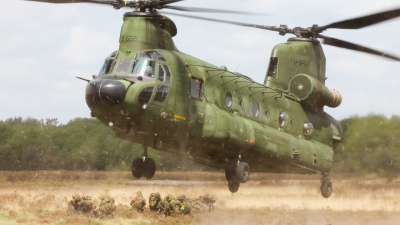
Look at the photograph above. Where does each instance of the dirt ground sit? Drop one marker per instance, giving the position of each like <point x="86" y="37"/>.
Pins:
<point x="42" y="197"/>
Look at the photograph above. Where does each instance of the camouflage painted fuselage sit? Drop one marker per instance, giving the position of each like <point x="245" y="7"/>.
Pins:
<point x="186" y="109"/>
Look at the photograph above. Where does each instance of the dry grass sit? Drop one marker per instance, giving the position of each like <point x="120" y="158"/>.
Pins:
<point x="42" y="198"/>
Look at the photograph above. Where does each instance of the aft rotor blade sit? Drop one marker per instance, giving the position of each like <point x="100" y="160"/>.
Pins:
<point x="363" y="21"/>
<point x="226" y="21"/>
<point x="347" y="45"/>
<point x="195" y="9"/>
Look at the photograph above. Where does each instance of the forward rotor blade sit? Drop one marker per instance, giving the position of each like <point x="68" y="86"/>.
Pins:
<point x="75" y="1"/>
<point x="347" y="45"/>
<point x="226" y="21"/>
<point x="363" y="21"/>
<point x="194" y="9"/>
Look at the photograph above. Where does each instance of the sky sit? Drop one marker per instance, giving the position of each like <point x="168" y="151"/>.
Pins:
<point x="44" y="46"/>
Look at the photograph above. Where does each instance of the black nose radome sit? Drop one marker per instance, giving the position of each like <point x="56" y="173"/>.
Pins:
<point x="106" y="92"/>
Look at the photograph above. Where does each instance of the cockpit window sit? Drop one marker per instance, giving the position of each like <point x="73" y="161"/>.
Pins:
<point x="152" y="55"/>
<point x="145" y="68"/>
<point x="108" y="66"/>
<point x="144" y="96"/>
<point x="164" y="74"/>
<point x="123" y="66"/>
<point x="109" y="63"/>
<point x="161" y="93"/>
<point x="113" y="54"/>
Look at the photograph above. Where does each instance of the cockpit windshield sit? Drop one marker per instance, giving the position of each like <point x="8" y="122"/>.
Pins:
<point x="145" y="68"/>
<point x="109" y="64"/>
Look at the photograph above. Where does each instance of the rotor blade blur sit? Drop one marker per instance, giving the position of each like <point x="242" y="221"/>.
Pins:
<point x="194" y="9"/>
<point x="226" y="21"/>
<point x="75" y="1"/>
<point x="347" y="45"/>
<point x="363" y="21"/>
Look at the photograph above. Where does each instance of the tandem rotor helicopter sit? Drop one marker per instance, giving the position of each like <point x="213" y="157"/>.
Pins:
<point x="150" y="93"/>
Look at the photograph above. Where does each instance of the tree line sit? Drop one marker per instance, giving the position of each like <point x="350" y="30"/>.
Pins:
<point x="372" y="144"/>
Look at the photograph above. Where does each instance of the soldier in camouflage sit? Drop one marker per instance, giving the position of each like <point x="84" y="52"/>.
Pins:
<point x="165" y="206"/>
<point x="154" y="201"/>
<point x="106" y="207"/>
<point x="138" y="202"/>
<point x="82" y="203"/>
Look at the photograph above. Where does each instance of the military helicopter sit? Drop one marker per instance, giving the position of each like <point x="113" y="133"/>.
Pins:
<point x="150" y="93"/>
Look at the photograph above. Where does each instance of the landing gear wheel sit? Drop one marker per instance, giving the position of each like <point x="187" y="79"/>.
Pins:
<point x="137" y="167"/>
<point x="326" y="188"/>
<point x="233" y="186"/>
<point x="243" y="172"/>
<point x="230" y="170"/>
<point x="149" y="168"/>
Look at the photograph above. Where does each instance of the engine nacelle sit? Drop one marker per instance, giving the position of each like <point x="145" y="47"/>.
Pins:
<point x="309" y="89"/>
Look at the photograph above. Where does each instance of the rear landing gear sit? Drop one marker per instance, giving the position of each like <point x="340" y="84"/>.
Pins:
<point x="143" y="166"/>
<point x="326" y="186"/>
<point x="236" y="172"/>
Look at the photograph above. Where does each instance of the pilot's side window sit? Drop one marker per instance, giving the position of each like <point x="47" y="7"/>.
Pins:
<point x="195" y="88"/>
<point x="163" y="73"/>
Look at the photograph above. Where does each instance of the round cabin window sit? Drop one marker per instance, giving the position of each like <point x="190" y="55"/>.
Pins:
<point x="228" y="99"/>
<point x="308" y="128"/>
<point x="256" y="109"/>
<point x="283" y="117"/>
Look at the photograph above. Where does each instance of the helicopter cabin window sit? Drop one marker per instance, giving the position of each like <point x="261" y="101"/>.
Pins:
<point x="195" y="88"/>
<point x="144" y="96"/>
<point x="273" y="67"/>
<point x="152" y="55"/>
<point x="164" y="74"/>
<point x="256" y="109"/>
<point x="228" y="99"/>
<point x="161" y="93"/>
<point x="145" y="68"/>
<point x="123" y="66"/>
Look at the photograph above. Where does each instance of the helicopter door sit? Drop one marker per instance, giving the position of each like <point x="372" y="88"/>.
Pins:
<point x="196" y="107"/>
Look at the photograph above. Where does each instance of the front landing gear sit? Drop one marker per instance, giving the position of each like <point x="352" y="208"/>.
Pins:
<point x="143" y="166"/>
<point x="326" y="186"/>
<point x="236" y="172"/>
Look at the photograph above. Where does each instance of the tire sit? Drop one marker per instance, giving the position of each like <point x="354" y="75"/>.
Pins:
<point x="137" y="171"/>
<point x="233" y="186"/>
<point x="230" y="170"/>
<point x="149" y="168"/>
<point x="243" y="172"/>
<point x="326" y="188"/>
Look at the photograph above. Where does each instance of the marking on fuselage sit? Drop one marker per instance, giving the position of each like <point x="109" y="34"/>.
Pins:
<point x="272" y="137"/>
<point x="179" y="117"/>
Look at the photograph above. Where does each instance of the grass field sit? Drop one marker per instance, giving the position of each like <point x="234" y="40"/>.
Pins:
<point x="42" y="197"/>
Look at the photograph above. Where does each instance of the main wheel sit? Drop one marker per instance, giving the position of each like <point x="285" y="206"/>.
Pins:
<point x="230" y="170"/>
<point x="149" y="168"/>
<point x="137" y="167"/>
<point x="243" y="172"/>
<point x="326" y="188"/>
<point x="233" y="186"/>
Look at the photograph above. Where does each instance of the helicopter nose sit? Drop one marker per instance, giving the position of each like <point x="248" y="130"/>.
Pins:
<point x="107" y="92"/>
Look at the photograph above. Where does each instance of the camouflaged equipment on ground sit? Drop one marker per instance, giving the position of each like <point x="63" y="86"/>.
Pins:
<point x="138" y="202"/>
<point x="106" y="207"/>
<point x="154" y="200"/>
<point x="82" y="203"/>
